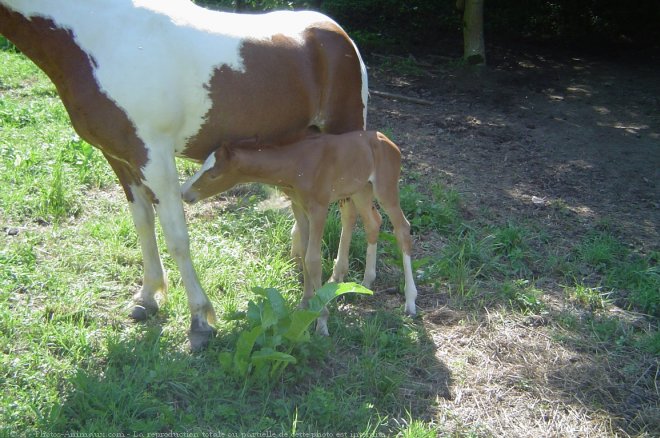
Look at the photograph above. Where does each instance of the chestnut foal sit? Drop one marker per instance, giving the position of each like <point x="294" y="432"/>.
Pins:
<point x="314" y="172"/>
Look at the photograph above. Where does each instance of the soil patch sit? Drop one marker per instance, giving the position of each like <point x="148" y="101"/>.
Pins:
<point x="563" y="143"/>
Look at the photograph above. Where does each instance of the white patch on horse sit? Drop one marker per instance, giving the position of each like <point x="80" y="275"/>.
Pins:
<point x="174" y="47"/>
<point x="208" y="165"/>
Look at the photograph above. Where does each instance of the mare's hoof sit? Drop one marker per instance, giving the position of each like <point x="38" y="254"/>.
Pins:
<point x="141" y="312"/>
<point x="199" y="339"/>
<point x="200" y="333"/>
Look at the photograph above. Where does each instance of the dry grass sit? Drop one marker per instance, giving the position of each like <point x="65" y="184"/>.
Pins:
<point x="512" y="377"/>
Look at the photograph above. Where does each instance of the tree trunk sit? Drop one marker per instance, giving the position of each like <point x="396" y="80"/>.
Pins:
<point x="474" y="49"/>
<point x="239" y="5"/>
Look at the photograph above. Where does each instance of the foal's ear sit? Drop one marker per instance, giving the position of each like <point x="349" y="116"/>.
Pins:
<point x="223" y="153"/>
<point x="222" y="156"/>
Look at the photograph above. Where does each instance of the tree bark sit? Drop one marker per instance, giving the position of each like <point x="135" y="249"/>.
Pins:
<point x="239" y="5"/>
<point x="474" y="49"/>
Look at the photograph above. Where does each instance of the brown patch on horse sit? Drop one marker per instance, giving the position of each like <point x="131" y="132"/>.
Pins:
<point x="282" y="94"/>
<point x="106" y="126"/>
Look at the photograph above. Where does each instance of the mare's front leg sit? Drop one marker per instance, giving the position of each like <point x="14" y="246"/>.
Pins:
<point x="142" y="212"/>
<point x="161" y="177"/>
<point x="155" y="279"/>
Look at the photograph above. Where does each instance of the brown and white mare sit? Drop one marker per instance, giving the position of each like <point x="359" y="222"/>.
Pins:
<point x="148" y="80"/>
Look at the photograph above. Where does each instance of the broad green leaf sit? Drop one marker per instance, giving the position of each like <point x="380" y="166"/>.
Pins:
<point x="268" y="354"/>
<point x="254" y="313"/>
<point x="241" y="367"/>
<point x="300" y="320"/>
<point x="261" y="291"/>
<point x="330" y="291"/>
<point x="244" y="346"/>
<point x="277" y="302"/>
<point x="268" y="316"/>
<point x="272" y="341"/>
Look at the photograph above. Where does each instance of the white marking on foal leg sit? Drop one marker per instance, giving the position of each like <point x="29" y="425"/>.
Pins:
<point x="411" y="289"/>
<point x="155" y="280"/>
<point x="161" y="176"/>
<point x="370" y="265"/>
<point x="371" y="219"/>
<point x="322" y="323"/>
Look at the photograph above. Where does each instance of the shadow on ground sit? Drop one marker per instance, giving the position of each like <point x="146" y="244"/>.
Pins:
<point x="373" y="375"/>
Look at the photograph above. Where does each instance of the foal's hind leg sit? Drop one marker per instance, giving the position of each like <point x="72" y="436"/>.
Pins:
<point x="388" y="199"/>
<point x="371" y="219"/>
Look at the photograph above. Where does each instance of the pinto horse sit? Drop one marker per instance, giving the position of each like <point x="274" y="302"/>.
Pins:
<point x="148" y="80"/>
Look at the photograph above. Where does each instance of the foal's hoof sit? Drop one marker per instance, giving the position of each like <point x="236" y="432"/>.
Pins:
<point x="322" y="327"/>
<point x="411" y="311"/>
<point x="141" y="312"/>
<point x="199" y="339"/>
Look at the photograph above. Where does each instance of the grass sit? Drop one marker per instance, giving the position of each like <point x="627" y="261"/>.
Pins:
<point x="508" y="317"/>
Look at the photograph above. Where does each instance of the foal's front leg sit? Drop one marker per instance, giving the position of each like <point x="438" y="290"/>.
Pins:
<point x="316" y="214"/>
<point x="310" y="222"/>
<point x="302" y="232"/>
<point x="348" y="217"/>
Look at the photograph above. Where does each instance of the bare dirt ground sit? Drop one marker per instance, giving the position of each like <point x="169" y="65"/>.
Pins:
<point x="557" y="127"/>
<point x="563" y="141"/>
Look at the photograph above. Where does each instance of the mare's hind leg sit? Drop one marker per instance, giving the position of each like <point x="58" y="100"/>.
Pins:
<point x="161" y="177"/>
<point x="348" y="217"/>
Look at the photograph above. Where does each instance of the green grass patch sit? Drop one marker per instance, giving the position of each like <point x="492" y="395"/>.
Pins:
<point x="600" y="251"/>
<point x="628" y="279"/>
<point x="523" y="296"/>
<point x="439" y="210"/>
<point x="591" y="297"/>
